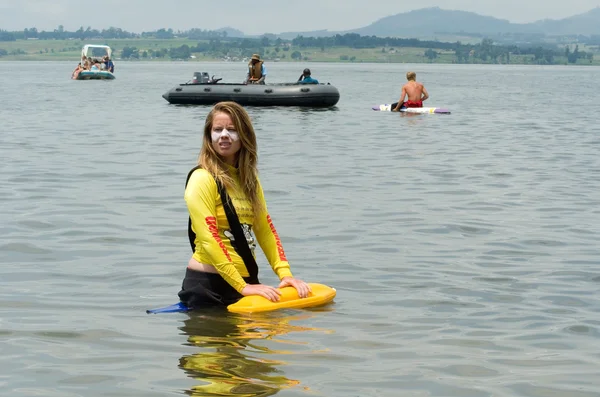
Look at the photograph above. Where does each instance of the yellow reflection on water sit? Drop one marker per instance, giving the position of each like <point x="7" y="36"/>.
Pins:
<point x="230" y="361"/>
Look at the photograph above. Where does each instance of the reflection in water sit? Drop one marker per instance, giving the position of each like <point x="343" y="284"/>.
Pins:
<point x="224" y="362"/>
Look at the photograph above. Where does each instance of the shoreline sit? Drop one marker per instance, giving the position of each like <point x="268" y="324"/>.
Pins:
<point x="154" y="50"/>
<point x="119" y="60"/>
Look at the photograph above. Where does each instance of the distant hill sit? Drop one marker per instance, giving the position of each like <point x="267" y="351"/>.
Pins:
<point x="231" y="32"/>
<point x="312" y="33"/>
<point x="586" y="24"/>
<point x="429" y="20"/>
<point x="426" y="22"/>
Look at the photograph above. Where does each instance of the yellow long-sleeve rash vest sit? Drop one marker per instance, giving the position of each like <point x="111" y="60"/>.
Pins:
<point x="209" y="222"/>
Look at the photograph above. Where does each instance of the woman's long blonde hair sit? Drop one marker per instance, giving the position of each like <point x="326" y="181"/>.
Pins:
<point x="247" y="157"/>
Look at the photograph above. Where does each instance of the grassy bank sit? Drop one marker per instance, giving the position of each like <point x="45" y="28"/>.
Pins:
<point x="70" y="50"/>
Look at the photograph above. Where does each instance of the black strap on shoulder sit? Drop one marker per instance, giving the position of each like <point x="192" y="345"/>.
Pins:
<point x="241" y="244"/>
<point x="191" y="234"/>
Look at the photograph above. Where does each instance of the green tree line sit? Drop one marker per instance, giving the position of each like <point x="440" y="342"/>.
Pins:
<point x="217" y="44"/>
<point x="486" y="51"/>
<point x="111" y="33"/>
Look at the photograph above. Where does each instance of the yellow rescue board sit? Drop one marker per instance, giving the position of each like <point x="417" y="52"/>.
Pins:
<point x="289" y="299"/>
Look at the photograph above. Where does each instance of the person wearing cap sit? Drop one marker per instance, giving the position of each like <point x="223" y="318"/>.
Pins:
<point x="306" y="79"/>
<point x="256" y="71"/>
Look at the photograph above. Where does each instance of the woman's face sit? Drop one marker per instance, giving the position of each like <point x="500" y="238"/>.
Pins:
<point x="225" y="139"/>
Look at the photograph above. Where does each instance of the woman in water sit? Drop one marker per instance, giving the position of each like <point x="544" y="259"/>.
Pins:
<point x="216" y="274"/>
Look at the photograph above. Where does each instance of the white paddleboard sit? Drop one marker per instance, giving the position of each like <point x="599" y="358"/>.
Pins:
<point x="388" y="108"/>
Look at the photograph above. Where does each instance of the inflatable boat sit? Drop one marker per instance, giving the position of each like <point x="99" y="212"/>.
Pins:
<point x="94" y="75"/>
<point x="209" y="91"/>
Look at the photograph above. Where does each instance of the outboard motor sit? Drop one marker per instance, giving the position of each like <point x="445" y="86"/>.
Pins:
<point x="200" y="78"/>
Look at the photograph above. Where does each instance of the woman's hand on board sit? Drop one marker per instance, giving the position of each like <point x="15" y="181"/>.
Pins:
<point x="266" y="291"/>
<point x="302" y="287"/>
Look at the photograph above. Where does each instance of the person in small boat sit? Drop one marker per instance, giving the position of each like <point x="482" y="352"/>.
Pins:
<point x="305" y="78"/>
<point x="217" y="274"/>
<point x="257" y="72"/>
<point x="77" y="70"/>
<point x="95" y="66"/>
<point x="415" y="91"/>
<point x="85" y="63"/>
<point x="108" y="64"/>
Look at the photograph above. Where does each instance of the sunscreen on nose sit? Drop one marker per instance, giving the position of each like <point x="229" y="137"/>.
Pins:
<point x="216" y="135"/>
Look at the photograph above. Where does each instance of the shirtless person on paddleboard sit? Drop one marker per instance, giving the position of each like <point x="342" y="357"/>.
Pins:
<point x="416" y="94"/>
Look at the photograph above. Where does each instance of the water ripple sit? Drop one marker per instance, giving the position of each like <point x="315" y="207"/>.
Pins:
<point x="463" y="248"/>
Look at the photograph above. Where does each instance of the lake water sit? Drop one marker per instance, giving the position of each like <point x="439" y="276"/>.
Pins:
<point x="464" y="248"/>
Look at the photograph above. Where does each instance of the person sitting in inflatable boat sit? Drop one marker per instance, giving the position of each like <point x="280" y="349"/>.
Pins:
<point x="257" y="72"/>
<point x="306" y="79"/>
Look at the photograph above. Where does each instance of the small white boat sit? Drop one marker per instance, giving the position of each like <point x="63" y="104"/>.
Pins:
<point x="95" y="51"/>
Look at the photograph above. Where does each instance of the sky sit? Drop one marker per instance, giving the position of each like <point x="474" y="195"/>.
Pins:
<point x="270" y="16"/>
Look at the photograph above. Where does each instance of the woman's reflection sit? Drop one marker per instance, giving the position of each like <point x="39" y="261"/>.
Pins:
<point x="226" y="363"/>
